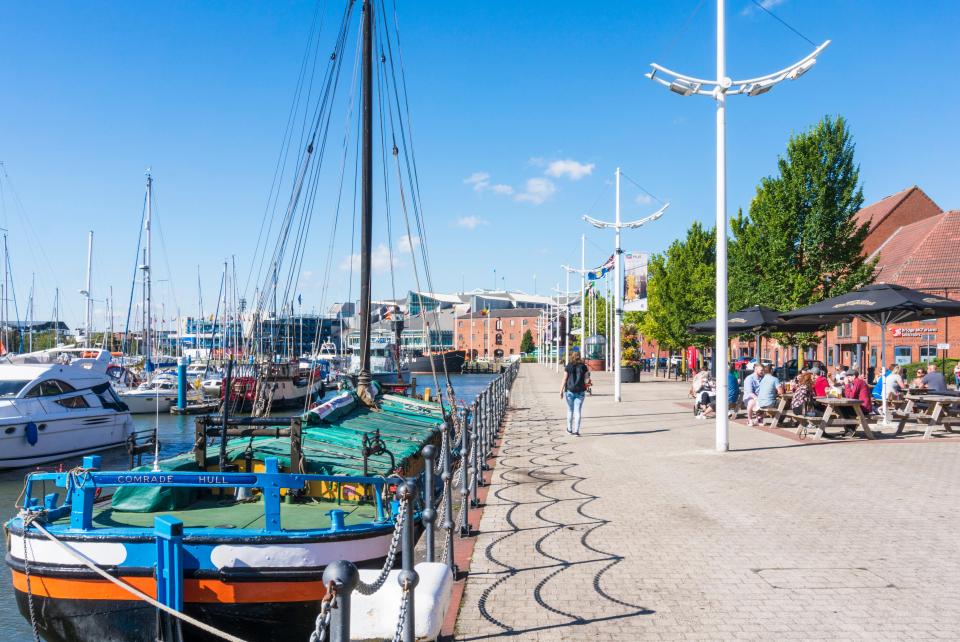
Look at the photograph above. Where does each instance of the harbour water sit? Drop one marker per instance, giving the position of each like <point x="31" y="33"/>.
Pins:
<point x="176" y="435"/>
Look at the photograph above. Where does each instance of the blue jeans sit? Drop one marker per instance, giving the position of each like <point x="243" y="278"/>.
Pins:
<point x="574" y="406"/>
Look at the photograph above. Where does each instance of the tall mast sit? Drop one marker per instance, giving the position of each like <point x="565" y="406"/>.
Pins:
<point x="366" y="212"/>
<point x="56" y="317"/>
<point x="146" y="277"/>
<point x="33" y="283"/>
<point x="88" y="315"/>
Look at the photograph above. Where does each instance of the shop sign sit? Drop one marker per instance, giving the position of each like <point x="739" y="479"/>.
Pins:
<point x="943" y="346"/>
<point x="912" y="332"/>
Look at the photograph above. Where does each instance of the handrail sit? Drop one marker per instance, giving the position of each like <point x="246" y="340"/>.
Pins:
<point x="81" y="486"/>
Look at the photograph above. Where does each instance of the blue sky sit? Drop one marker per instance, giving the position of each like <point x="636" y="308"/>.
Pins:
<point x="521" y="112"/>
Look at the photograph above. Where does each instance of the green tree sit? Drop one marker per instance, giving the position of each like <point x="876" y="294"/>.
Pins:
<point x="680" y="289"/>
<point x="800" y="242"/>
<point x="526" y="342"/>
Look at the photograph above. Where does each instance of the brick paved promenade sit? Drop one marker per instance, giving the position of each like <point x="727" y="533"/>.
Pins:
<point x="639" y="530"/>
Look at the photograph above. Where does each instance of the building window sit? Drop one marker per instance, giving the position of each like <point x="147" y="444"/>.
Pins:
<point x="902" y="355"/>
<point x="928" y="353"/>
<point x="873" y="357"/>
<point x="845" y="330"/>
<point x="499" y="324"/>
<point x="511" y="352"/>
<point x="499" y="339"/>
<point x="460" y="324"/>
<point x="523" y="322"/>
<point x="511" y="336"/>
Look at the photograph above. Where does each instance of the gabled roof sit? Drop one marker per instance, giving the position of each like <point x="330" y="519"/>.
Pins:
<point x="875" y="213"/>
<point x="923" y="255"/>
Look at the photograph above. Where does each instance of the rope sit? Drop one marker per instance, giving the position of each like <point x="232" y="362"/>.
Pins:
<point x="83" y="559"/>
<point x="783" y="22"/>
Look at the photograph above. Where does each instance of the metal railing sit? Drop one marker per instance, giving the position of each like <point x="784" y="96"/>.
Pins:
<point x="479" y="426"/>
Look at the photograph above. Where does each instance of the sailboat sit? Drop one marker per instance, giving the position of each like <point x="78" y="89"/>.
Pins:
<point x="153" y="395"/>
<point x="251" y="516"/>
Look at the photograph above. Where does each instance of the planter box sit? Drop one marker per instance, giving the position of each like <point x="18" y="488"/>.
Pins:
<point x="628" y="374"/>
<point x="596" y="365"/>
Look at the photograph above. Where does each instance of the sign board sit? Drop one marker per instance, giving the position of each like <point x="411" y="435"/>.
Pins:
<point x="912" y="332"/>
<point x="943" y="346"/>
<point x="635" y="281"/>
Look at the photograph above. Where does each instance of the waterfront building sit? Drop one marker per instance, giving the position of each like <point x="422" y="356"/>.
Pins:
<point x="916" y="245"/>
<point x="495" y="333"/>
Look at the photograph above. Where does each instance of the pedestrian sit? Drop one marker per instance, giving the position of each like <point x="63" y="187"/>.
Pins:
<point x="956" y="375"/>
<point x="576" y="380"/>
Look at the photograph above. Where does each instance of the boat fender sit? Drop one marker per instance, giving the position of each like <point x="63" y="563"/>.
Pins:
<point x="32" y="433"/>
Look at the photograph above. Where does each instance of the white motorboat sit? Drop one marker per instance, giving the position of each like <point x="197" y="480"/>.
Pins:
<point x="383" y="362"/>
<point x="212" y="385"/>
<point x="158" y="395"/>
<point x="57" y="404"/>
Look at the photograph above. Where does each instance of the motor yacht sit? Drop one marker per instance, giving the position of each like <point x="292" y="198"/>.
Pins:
<point x="57" y="404"/>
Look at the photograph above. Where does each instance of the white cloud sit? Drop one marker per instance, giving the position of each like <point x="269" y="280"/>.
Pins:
<point x="379" y="260"/>
<point x="407" y="243"/>
<point x="471" y="222"/>
<point x="536" y="191"/>
<point x="569" y="168"/>
<point x="478" y="180"/>
<point x="643" y="199"/>
<point x="766" y="4"/>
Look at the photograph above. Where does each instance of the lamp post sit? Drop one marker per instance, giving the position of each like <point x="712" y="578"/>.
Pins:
<point x="617" y="225"/>
<point x="719" y="89"/>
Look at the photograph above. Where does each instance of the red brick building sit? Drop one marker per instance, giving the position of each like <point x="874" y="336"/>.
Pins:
<point x="496" y="334"/>
<point x="918" y="246"/>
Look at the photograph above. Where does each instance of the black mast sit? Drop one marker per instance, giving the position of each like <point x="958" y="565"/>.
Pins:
<point x="366" y="213"/>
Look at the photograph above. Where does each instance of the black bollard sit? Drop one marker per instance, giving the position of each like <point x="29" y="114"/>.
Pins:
<point x="429" y="513"/>
<point x="408" y="577"/>
<point x="344" y="576"/>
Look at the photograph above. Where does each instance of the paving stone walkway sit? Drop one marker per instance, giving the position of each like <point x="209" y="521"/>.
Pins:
<point x="638" y="530"/>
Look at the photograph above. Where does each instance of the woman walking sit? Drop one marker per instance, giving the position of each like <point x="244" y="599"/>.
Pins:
<point x="576" y="380"/>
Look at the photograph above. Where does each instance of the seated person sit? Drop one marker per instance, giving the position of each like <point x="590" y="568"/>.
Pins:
<point x="856" y="388"/>
<point x="895" y="385"/>
<point x="751" y="386"/>
<point x="802" y="401"/>
<point x="820" y="382"/>
<point x="703" y="389"/>
<point x="877" y="392"/>
<point x="917" y="381"/>
<point x="733" y="386"/>
<point x="934" y="382"/>
<point x="769" y="389"/>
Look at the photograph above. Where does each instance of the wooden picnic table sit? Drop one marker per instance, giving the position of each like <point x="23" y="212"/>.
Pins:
<point x="940" y="410"/>
<point x="779" y="412"/>
<point x="832" y="416"/>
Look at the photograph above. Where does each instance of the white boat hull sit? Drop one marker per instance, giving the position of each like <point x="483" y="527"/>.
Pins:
<point x="61" y="438"/>
<point x="142" y="403"/>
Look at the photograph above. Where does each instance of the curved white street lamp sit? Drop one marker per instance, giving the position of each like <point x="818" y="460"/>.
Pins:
<point x="617" y="278"/>
<point x="719" y="89"/>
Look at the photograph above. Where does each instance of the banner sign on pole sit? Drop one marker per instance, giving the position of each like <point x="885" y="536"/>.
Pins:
<point x="635" y="281"/>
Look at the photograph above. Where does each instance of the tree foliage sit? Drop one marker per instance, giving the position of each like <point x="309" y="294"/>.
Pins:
<point x="800" y="242"/>
<point x="526" y="342"/>
<point x="681" y="289"/>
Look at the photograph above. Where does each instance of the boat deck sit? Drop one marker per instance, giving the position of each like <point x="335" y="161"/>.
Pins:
<point x="213" y="512"/>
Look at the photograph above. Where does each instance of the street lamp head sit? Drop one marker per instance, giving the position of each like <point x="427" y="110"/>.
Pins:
<point x="84" y="293"/>
<point x="762" y="87"/>
<point x="801" y="69"/>
<point x="682" y="87"/>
